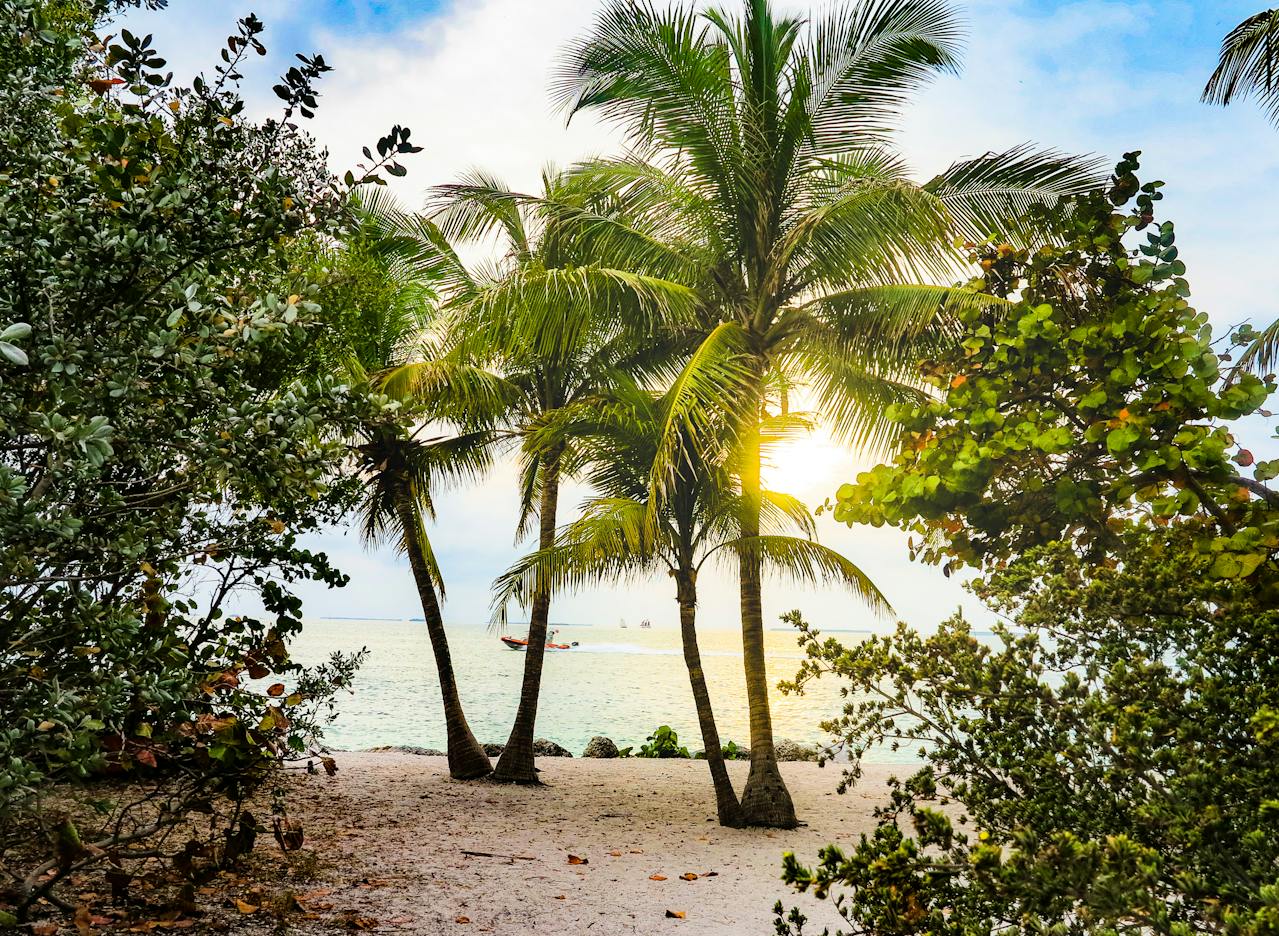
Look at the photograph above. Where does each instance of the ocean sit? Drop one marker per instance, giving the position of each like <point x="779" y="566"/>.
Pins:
<point x="618" y="682"/>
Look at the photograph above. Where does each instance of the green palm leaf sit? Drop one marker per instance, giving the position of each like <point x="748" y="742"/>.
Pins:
<point x="811" y="563"/>
<point x="991" y="194"/>
<point x="1248" y="65"/>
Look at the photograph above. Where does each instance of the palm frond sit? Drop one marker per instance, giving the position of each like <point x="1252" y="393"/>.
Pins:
<point x="707" y="393"/>
<point x="478" y="207"/>
<point x="1248" y="65"/>
<point x="862" y="61"/>
<point x="662" y="75"/>
<point x="991" y="194"/>
<point x="1262" y="355"/>
<point x="613" y="539"/>
<point x="812" y="564"/>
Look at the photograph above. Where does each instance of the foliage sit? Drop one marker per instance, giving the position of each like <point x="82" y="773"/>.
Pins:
<point x="663" y="742"/>
<point x="1094" y="405"/>
<point x="1246" y="65"/>
<point x="157" y="457"/>
<point x="1103" y="761"/>
<point x="1106" y="761"/>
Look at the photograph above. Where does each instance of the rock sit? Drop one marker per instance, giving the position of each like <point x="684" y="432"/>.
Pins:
<point x="493" y="750"/>
<point x="599" y="746"/>
<point x="409" y="749"/>
<point x="545" y="748"/>
<point x="788" y="750"/>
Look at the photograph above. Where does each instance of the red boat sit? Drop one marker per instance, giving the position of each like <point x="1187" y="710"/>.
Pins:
<point x="516" y="644"/>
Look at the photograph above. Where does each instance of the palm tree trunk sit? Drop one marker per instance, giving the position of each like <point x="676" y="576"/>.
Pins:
<point x="467" y="759"/>
<point x="516" y="763"/>
<point x="726" y="805"/>
<point x="765" y="799"/>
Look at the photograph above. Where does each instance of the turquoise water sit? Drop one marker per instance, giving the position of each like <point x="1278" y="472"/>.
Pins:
<point x="621" y="683"/>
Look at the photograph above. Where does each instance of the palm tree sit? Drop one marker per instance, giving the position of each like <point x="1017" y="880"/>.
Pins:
<point x="761" y="176"/>
<point x="631" y="530"/>
<point x="552" y="326"/>
<point x="1248" y="66"/>
<point x="400" y="464"/>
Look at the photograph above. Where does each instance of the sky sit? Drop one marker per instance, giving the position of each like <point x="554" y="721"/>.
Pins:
<point x="470" y="78"/>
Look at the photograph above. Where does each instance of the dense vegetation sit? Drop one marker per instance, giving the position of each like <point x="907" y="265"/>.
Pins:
<point x="1106" y="761"/>
<point x="160" y="454"/>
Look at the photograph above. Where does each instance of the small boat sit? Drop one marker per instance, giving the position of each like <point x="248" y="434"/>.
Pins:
<point x="645" y="624"/>
<point x="516" y="643"/>
<point x="623" y="624"/>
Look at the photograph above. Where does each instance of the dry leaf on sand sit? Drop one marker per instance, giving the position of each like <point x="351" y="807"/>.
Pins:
<point x="675" y="914"/>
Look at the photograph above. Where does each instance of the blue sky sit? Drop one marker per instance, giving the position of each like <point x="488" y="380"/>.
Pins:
<point x="470" y="78"/>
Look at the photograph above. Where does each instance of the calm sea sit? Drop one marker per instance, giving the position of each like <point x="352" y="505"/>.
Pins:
<point x="617" y="682"/>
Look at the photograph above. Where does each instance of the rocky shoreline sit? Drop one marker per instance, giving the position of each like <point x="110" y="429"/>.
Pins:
<point x="602" y="747"/>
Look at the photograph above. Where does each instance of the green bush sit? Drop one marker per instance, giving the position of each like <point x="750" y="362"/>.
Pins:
<point x="157" y="456"/>
<point x="663" y="742"/>
<point x="1105" y="761"/>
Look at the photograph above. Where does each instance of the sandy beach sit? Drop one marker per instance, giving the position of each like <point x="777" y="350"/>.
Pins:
<point x="401" y="847"/>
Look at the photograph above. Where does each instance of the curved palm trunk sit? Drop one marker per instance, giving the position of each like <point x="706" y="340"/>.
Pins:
<point x="516" y="763"/>
<point x="467" y="759"/>
<point x="765" y="799"/>
<point x="726" y="805"/>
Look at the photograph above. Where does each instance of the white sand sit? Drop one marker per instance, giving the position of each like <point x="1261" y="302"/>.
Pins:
<point x="398" y="822"/>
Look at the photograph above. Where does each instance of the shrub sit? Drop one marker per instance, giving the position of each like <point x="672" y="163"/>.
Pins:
<point x="157" y="457"/>
<point x="1105" y="761"/>
<point x="663" y="742"/>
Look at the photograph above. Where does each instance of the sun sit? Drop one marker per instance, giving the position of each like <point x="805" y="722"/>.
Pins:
<point x="810" y="466"/>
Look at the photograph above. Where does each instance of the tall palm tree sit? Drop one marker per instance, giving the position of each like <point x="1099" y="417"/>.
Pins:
<point x="553" y="326"/>
<point x="631" y="530"/>
<point x="762" y="177"/>
<point x="1248" y="66"/>
<point x="400" y="462"/>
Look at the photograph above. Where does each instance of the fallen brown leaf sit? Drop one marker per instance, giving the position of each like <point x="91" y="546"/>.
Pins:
<point x="462" y="919"/>
<point x="710" y="874"/>
<point x="245" y="907"/>
<point x="560" y="897"/>
<point x="675" y="914"/>
<point x="657" y="877"/>
<point x="83" y="921"/>
<point x="616" y="854"/>
<point x="43" y="929"/>
<point x="574" y="859"/>
<point x="688" y="876"/>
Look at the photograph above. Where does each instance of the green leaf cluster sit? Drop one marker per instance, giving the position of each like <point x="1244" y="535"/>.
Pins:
<point x="1095" y="403"/>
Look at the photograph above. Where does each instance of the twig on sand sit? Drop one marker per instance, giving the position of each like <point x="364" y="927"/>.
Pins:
<point x="480" y="854"/>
